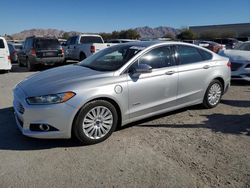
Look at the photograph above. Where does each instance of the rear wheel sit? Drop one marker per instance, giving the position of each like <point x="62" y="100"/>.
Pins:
<point x="213" y="94"/>
<point x="19" y="63"/>
<point x="82" y="56"/>
<point x="30" y="65"/>
<point x="95" y="122"/>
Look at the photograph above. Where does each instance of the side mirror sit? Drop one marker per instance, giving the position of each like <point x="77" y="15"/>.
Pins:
<point x="143" y="68"/>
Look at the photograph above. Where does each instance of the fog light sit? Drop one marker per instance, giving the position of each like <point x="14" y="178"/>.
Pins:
<point x="42" y="127"/>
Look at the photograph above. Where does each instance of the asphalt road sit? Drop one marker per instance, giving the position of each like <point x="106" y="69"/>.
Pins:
<point x="192" y="147"/>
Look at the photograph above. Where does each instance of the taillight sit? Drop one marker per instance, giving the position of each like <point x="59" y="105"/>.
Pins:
<point x="8" y="58"/>
<point x="229" y="64"/>
<point x="33" y="52"/>
<point x="62" y="50"/>
<point x="92" y="49"/>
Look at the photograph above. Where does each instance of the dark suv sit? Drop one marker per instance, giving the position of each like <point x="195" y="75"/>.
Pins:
<point x="40" y="50"/>
<point x="228" y="42"/>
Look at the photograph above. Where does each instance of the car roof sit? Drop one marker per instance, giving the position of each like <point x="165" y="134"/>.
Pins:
<point x="155" y="43"/>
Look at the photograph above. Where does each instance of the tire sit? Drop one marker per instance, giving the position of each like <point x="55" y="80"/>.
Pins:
<point x="19" y="63"/>
<point x="213" y="94"/>
<point x="30" y="66"/>
<point x="82" y="56"/>
<point x="89" y="127"/>
<point x="65" y="61"/>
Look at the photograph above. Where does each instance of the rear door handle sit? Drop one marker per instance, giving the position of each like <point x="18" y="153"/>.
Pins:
<point x="206" y="67"/>
<point x="170" y="72"/>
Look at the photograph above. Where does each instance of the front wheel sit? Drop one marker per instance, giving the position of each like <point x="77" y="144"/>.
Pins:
<point x="213" y="94"/>
<point x="95" y="122"/>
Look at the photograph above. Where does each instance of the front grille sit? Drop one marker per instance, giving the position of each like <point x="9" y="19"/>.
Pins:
<point x="235" y="66"/>
<point x="20" y="108"/>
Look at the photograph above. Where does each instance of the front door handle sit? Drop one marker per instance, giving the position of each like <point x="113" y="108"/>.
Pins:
<point x="170" y="72"/>
<point x="206" y="67"/>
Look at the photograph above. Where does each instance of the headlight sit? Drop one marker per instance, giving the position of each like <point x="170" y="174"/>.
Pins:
<point x="51" y="99"/>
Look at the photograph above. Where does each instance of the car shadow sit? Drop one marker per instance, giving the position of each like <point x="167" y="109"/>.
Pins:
<point x="236" y="103"/>
<point x="227" y="124"/>
<point x="12" y="139"/>
<point x="240" y="83"/>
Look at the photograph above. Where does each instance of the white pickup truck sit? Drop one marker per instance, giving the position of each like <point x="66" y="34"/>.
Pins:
<point x="81" y="46"/>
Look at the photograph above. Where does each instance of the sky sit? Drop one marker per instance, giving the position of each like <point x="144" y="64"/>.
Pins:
<point x="109" y="15"/>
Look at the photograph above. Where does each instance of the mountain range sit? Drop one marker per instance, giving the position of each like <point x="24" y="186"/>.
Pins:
<point x="145" y="32"/>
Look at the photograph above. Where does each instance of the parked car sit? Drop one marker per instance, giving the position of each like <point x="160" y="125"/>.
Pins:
<point x="5" y="63"/>
<point x="213" y="46"/>
<point x="82" y="46"/>
<point x="121" y="40"/>
<point x="14" y="49"/>
<point x="240" y="61"/>
<point x="191" y="41"/>
<point x="40" y="51"/>
<point x="228" y="42"/>
<point x="116" y="86"/>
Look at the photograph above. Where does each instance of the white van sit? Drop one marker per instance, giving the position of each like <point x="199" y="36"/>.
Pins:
<point x="5" y="63"/>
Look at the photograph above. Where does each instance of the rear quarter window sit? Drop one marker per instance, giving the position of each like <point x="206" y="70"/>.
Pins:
<point x="1" y="44"/>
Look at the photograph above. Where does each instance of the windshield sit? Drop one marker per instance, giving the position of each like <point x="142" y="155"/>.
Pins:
<point x="112" y="58"/>
<point x="243" y="46"/>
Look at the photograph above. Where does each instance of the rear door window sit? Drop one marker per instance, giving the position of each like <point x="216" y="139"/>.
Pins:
<point x="205" y="55"/>
<point x="188" y="55"/>
<point x="1" y="44"/>
<point x="158" y="58"/>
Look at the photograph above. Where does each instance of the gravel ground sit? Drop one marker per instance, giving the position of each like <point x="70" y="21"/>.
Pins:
<point x="192" y="147"/>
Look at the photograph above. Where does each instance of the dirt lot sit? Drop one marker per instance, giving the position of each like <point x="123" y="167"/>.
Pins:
<point x="192" y="147"/>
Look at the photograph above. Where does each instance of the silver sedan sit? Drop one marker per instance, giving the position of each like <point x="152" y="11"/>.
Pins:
<point x="117" y="86"/>
<point x="240" y="60"/>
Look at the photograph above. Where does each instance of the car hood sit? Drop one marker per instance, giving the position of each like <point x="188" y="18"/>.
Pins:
<point x="61" y="79"/>
<point x="236" y="55"/>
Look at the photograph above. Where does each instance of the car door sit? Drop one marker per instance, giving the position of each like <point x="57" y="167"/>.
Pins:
<point x="193" y="71"/>
<point x="153" y="92"/>
<point x="72" y="48"/>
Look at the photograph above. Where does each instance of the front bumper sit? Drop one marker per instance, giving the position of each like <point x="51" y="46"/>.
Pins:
<point x="59" y="116"/>
<point x="242" y="72"/>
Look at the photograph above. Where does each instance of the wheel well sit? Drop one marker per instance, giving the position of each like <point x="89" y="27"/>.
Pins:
<point x="82" y="53"/>
<point x="105" y="99"/>
<point x="221" y="81"/>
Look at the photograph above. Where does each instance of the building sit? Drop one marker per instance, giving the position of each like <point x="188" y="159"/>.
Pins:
<point x="226" y="30"/>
